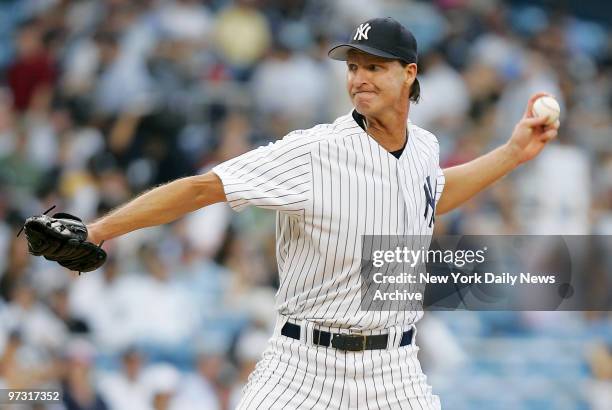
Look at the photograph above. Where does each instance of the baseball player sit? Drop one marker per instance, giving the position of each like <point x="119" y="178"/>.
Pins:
<point x="370" y="172"/>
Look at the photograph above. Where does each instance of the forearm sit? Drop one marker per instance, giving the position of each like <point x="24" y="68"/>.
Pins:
<point x="158" y="206"/>
<point x="466" y="180"/>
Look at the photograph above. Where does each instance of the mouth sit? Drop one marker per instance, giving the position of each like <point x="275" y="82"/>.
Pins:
<point x="363" y="93"/>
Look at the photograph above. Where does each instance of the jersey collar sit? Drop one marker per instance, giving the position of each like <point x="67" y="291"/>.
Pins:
<point x="360" y="120"/>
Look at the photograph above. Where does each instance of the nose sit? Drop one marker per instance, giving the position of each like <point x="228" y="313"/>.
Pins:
<point x="359" y="76"/>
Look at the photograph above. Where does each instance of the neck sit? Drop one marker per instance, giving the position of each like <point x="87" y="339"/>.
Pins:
<point x="389" y="129"/>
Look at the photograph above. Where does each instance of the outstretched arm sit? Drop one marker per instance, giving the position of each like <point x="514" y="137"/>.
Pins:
<point x="159" y="206"/>
<point x="529" y="137"/>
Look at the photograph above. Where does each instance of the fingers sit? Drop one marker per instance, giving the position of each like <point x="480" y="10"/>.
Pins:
<point x="532" y="122"/>
<point x="540" y="130"/>
<point x="541" y="123"/>
<point x="529" y="110"/>
<point x="549" y="135"/>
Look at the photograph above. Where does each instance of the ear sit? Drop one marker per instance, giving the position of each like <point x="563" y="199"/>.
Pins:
<point x="411" y="71"/>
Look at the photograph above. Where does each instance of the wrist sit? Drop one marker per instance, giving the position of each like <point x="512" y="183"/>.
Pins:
<point x="93" y="234"/>
<point x="512" y="154"/>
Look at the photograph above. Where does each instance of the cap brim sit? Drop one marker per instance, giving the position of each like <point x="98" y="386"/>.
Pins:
<point x="340" y="52"/>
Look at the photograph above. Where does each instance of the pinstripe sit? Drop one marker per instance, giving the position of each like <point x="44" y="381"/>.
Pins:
<point x="362" y="214"/>
<point x="254" y="378"/>
<point x="386" y="226"/>
<point x="417" y="155"/>
<point x="414" y="211"/>
<point x="336" y="280"/>
<point x="418" y="400"/>
<point x="299" y="184"/>
<point x="349" y="213"/>
<point x="368" y="231"/>
<point x="284" y="204"/>
<point x="280" y="394"/>
<point x="275" y="386"/>
<point x="271" y="386"/>
<point x="277" y="196"/>
<point x="360" y="379"/>
<point x="322" y="201"/>
<point x="287" y="279"/>
<point x="376" y="385"/>
<point x="420" y="230"/>
<point x="403" y="381"/>
<point x="388" y="204"/>
<point x="317" y="348"/>
<point x="351" y="380"/>
<point x="299" y="388"/>
<point x="292" y="267"/>
<point x="324" y="382"/>
<point x="310" y="244"/>
<point x="281" y="232"/>
<point x="331" y="396"/>
<point x="272" y="180"/>
<point x="263" y="160"/>
<point x="400" y="204"/>
<point x="253" y="391"/>
<point x="325" y="258"/>
<point x="378" y="205"/>
<point x="250" y="172"/>
<point x="392" y="376"/>
<point x="384" y="384"/>
<point x="267" y="179"/>
<point x="282" y="278"/>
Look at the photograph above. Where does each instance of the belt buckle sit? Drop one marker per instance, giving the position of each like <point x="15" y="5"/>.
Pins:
<point x="353" y="343"/>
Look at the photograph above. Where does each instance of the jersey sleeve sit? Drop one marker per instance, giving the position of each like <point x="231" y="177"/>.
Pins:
<point x="276" y="176"/>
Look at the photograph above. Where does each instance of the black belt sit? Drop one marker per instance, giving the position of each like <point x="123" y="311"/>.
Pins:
<point x="343" y="341"/>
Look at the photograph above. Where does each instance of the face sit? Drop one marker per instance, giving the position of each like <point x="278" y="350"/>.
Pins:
<point x="376" y="84"/>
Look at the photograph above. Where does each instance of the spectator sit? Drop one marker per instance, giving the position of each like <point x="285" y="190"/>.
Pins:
<point x="162" y="381"/>
<point x="286" y="70"/>
<point x="186" y="20"/>
<point x="446" y="101"/>
<point x="39" y="327"/>
<point x="242" y="34"/>
<point x="32" y="75"/>
<point x="79" y="390"/>
<point x="22" y="368"/>
<point x="598" y="390"/>
<point x="197" y="389"/>
<point x="126" y="389"/>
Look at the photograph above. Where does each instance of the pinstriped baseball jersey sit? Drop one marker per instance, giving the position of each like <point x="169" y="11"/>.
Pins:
<point x="330" y="185"/>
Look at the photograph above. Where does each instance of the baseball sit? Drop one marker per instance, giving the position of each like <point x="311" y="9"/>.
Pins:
<point x="547" y="106"/>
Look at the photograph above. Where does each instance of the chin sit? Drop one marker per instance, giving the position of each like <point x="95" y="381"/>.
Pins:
<point x="365" y="109"/>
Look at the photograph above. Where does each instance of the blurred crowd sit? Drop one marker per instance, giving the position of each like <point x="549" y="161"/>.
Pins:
<point x="103" y="99"/>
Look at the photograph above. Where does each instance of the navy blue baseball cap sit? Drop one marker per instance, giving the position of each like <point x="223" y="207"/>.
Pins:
<point x="382" y="37"/>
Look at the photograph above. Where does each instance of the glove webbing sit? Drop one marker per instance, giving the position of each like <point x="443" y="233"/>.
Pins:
<point x="44" y="213"/>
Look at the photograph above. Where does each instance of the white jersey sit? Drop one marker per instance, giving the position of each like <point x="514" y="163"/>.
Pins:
<point x="330" y="185"/>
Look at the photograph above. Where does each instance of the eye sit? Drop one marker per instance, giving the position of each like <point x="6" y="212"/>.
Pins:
<point x="374" y="67"/>
<point x="352" y="67"/>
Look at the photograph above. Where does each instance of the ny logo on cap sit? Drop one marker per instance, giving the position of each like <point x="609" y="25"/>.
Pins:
<point x="362" y="32"/>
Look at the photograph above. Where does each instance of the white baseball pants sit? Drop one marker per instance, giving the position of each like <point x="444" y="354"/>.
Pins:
<point x="295" y="374"/>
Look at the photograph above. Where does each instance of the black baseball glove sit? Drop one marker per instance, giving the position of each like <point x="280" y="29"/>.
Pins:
<point x="63" y="238"/>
